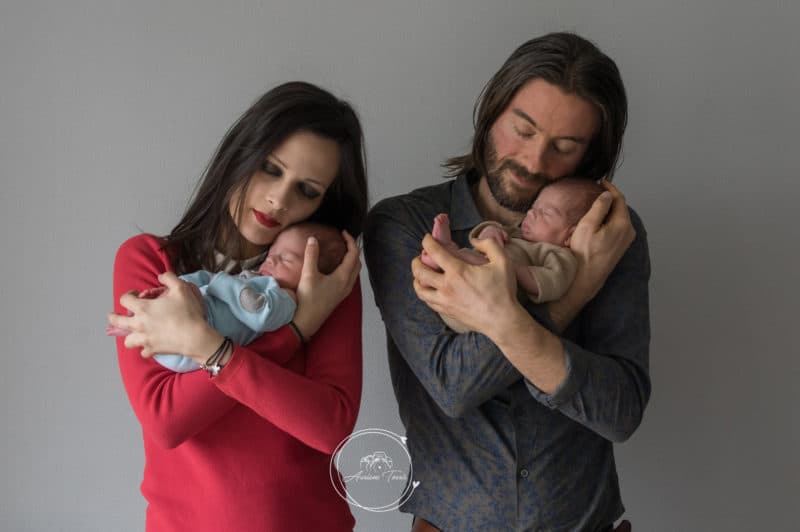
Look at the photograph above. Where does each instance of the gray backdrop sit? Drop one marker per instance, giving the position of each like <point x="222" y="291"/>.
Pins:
<point x="109" y="111"/>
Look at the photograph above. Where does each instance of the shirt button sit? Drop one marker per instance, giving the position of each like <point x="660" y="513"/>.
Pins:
<point x="523" y="473"/>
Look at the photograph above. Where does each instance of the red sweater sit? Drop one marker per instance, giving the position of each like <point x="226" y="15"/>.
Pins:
<point x="247" y="450"/>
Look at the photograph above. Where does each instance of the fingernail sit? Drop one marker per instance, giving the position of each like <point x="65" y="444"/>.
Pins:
<point x="605" y="195"/>
<point x="312" y="241"/>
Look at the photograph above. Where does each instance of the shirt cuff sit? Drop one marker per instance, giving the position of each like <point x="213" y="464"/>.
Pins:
<point x="565" y="396"/>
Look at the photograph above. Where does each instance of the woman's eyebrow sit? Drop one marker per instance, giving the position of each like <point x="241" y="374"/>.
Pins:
<point x="273" y="156"/>
<point x="283" y="165"/>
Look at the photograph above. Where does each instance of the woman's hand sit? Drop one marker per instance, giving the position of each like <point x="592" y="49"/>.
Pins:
<point x="479" y="296"/>
<point x="173" y="322"/>
<point x="318" y="294"/>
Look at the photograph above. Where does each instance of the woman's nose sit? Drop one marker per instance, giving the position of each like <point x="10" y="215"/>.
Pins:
<point x="276" y="202"/>
<point x="278" y="198"/>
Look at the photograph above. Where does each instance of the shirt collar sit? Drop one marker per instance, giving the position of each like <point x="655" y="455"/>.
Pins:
<point x="463" y="211"/>
<point x="227" y="264"/>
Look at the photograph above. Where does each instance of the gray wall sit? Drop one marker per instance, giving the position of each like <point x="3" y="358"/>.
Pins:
<point x="110" y="110"/>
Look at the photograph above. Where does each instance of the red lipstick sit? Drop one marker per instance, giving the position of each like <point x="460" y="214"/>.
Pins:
<point x="265" y="219"/>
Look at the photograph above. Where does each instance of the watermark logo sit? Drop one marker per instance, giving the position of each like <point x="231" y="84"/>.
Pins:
<point x="372" y="469"/>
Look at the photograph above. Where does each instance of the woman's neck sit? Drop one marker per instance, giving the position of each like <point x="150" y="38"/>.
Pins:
<point x="236" y="247"/>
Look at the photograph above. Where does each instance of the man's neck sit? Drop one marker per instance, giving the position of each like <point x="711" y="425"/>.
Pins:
<point x="488" y="207"/>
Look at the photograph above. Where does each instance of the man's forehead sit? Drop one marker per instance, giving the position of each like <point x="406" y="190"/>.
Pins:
<point x="554" y="111"/>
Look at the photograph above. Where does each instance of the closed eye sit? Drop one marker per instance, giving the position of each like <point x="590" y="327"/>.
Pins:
<point x="524" y="134"/>
<point x="564" y="147"/>
<point x="308" y="191"/>
<point x="289" y="256"/>
<point x="271" y="169"/>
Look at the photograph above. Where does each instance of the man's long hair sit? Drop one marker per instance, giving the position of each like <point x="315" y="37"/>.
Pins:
<point x="577" y="67"/>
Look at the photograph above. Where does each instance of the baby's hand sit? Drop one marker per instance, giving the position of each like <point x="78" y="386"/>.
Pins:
<point x="116" y="331"/>
<point x="495" y="233"/>
<point x="152" y="293"/>
<point x="147" y="293"/>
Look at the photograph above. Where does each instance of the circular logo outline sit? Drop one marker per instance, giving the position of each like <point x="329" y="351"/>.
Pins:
<point x="334" y="471"/>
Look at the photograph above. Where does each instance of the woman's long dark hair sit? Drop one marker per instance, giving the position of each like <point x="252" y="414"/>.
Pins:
<point x="576" y="66"/>
<point x="284" y="110"/>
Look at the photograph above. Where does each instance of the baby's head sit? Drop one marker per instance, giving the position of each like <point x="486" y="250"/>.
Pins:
<point x="558" y="208"/>
<point x="284" y="260"/>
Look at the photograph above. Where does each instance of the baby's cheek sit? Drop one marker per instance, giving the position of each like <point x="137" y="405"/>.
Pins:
<point x="528" y="228"/>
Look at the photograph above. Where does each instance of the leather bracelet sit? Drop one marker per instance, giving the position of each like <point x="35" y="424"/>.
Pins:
<point x="212" y="365"/>
<point x="296" y="330"/>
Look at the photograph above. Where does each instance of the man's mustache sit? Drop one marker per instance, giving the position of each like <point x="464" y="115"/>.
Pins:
<point x="521" y="171"/>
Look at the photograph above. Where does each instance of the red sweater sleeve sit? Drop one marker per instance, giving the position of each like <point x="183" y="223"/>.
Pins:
<point x="320" y="406"/>
<point x="173" y="407"/>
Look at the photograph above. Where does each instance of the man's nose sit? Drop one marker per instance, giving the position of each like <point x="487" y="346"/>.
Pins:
<point x="535" y="157"/>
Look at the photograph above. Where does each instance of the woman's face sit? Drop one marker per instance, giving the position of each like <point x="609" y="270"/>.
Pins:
<point x="287" y="189"/>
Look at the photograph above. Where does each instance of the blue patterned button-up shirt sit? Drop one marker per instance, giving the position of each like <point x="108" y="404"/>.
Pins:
<point x="492" y="452"/>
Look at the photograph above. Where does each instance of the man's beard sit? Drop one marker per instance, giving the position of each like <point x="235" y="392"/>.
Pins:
<point x="494" y="178"/>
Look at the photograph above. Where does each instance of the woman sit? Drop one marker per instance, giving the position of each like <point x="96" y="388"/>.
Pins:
<point x="246" y="445"/>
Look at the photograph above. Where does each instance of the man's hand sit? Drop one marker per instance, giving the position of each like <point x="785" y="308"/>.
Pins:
<point x="484" y="299"/>
<point x="599" y="245"/>
<point x="599" y="241"/>
<point x="479" y="296"/>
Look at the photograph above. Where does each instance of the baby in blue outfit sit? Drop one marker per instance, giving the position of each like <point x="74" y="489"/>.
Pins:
<point x="245" y="305"/>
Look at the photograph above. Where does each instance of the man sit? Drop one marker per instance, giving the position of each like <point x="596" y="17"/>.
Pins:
<point x="510" y="427"/>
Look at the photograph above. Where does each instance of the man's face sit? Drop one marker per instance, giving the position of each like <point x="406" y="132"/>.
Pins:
<point x="541" y="136"/>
